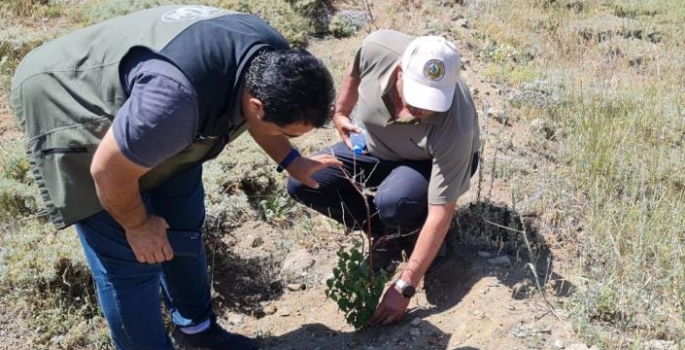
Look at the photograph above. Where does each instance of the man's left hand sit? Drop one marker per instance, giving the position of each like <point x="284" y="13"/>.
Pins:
<point x="303" y="168"/>
<point x="391" y="309"/>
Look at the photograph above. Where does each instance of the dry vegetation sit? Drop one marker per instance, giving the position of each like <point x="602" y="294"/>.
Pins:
<point x="595" y="91"/>
<point x="605" y="77"/>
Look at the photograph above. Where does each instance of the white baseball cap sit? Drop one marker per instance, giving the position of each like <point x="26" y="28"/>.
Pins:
<point x="430" y="67"/>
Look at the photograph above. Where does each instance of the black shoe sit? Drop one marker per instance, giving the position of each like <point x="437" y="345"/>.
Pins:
<point x="215" y="338"/>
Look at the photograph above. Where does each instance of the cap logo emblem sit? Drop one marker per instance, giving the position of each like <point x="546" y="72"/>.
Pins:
<point x="434" y="70"/>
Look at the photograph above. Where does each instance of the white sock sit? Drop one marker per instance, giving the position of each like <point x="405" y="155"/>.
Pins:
<point x="197" y="328"/>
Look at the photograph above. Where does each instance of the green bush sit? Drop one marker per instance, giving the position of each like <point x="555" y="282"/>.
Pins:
<point x="295" y="27"/>
<point x="44" y="277"/>
<point x="296" y="20"/>
<point x="16" y="42"/>
<point x="18" y="196"/>
<point x="22" y="7"/>
<point x="17" y="200"/>
<point x="98" y="11"/>
<point x="317" y="11"/>
<point x="276" y="208"/>
<point x="342" y="27"/>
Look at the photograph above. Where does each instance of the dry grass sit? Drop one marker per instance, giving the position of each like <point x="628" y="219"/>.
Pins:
<point x="605" y="82"/>
<point x="619" y="129"/>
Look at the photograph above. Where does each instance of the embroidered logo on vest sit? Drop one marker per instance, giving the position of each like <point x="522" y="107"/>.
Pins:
<point x="191" y="13"/>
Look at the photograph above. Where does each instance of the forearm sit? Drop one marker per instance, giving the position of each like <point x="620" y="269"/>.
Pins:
<point x="428" y="244"/>
<point x="116" y="182"/>
<point x="122" y="200"/>
<point x="277" y="147"/>
<point x="348" y="94"/>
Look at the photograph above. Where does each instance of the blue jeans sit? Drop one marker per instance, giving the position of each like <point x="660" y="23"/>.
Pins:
<point x="128" y="291"/>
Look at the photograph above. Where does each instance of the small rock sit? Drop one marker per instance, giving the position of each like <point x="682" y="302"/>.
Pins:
<point x="522" y="331"/>
<point x="294" y="287"/>
<point x="415" y="332"/>
<point x="237" y="320"/>
<point x="270" y="309"/>
<point x="499" y="116"/>
<point x="257" y="242"/>
<point x="540" y="126"/>
<point x="500" y="261"/>
<point x="479" y="314"/>
<point x="577" y="347"/>
<point x="415" y="322"/>
<point x="475" y="91"/>
<point x="284" y="312"/>
<point x="295" y="266"/>
<point x="558" y="344"/>
<point x="575" y="6"/>
<point x="484" y="254"/>
<point x="462" y="22"/>
<point x="512" y="307"/>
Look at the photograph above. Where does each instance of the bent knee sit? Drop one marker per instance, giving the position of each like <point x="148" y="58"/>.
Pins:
<point x="402" y="212"/>
<point x="295" y="188"/>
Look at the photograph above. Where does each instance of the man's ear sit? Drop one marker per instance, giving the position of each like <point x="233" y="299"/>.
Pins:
<point x="256" y="107"/>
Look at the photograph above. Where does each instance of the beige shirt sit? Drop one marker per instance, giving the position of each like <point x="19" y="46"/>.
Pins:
<point x="450" y="139"/>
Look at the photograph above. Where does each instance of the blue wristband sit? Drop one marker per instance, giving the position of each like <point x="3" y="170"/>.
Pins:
<point x="287" y="160"/>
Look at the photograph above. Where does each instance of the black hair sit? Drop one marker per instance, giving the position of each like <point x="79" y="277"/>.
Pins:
<point x="293" y="86"/>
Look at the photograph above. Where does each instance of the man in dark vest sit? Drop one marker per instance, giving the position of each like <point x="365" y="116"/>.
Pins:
<point x="119" y="118"/>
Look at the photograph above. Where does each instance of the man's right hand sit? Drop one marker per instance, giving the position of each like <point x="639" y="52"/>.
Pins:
<point x="303" y="168"/>
<point x="345" y="127"/>
<point x="149" y="241"/>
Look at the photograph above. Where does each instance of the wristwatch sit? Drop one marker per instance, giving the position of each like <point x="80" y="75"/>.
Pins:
<point x="407" y="289"/>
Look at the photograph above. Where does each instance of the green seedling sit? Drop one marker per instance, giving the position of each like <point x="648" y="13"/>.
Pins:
<point x="354" y="287"/>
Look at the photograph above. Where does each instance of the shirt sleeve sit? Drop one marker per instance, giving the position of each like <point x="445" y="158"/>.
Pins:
<point x="451" y="173"/>
<point x="356" y="72"/>
<point x="161" y="116"/>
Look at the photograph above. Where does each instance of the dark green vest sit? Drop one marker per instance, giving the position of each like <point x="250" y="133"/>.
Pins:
<point x="67" y="92"/>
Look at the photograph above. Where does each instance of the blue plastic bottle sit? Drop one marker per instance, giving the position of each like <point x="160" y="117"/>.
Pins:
<point x="358" y="140"/>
